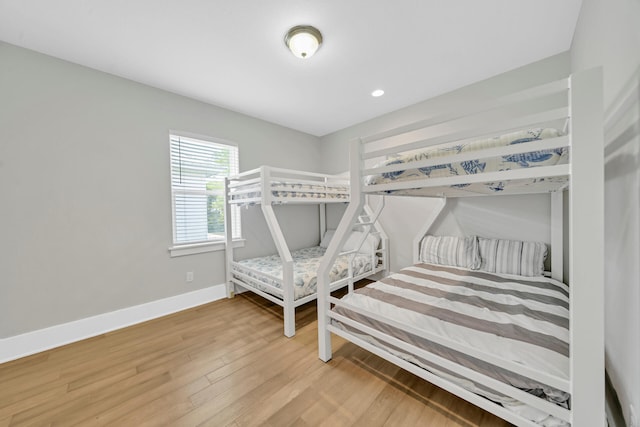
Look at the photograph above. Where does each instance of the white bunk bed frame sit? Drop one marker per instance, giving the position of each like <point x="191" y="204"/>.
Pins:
<point x="583" y="113"/>
<point x="256" y="187"/>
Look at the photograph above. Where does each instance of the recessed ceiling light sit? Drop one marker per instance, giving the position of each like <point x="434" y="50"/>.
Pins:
<point x="378" y="92"/>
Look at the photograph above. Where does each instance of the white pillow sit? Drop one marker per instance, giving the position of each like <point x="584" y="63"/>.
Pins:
<point x="369" y="245"/>
<point x="512" y="256"/>
<point x="450" y="250"/>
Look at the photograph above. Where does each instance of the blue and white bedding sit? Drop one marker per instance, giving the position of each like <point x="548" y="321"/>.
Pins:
<point x="521" y="319"/>
<point x="305" y="269"/>
<point x="470" y="167"/>
<point x="296" y="190"/>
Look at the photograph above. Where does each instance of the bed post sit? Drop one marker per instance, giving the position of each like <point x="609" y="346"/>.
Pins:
<point x="557" y="241"/>
<point x="229" y="241"/>
<point x="323" y="219"/>
<point x="288" y="308"/>
<point x="356" y="202"/>
<point x="586" y="253"/>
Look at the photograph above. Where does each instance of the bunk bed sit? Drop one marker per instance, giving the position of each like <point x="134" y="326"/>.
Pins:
<point x="289" y="278"/>
<point x="527" y="348"/>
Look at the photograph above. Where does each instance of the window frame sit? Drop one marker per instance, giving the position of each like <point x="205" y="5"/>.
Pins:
<point x="193" y="247"/>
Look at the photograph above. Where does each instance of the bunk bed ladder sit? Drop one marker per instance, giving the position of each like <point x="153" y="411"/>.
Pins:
<point x="366" y="221"/>
<point x="383" y="250"/>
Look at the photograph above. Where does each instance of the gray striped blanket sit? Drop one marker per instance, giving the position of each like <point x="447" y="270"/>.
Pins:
<point x="522" y="319"/>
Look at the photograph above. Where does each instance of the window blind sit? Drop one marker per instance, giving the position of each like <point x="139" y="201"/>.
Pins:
<point x="198" y="169"/>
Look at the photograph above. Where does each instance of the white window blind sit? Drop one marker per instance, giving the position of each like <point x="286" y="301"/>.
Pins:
<point x="198" y="169"/>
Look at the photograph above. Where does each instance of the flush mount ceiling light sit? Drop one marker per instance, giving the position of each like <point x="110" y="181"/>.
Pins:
<point x="303" y="40"/>
<point x="377" y="93"/>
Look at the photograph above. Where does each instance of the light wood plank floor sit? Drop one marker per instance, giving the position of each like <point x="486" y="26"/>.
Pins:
<point x="222" y="364"/>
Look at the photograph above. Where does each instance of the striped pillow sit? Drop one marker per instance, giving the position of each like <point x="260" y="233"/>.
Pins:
<point x="451" y="250"/>
<point x="512" y="256"/>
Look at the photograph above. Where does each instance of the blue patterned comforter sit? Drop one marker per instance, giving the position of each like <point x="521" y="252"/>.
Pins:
<point x="305" y="268"/>
<point x="502" y="163"/>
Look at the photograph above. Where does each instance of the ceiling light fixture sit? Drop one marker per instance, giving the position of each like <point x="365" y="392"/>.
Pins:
<point x="378" y="92"/>
<point x="303" y="40"/>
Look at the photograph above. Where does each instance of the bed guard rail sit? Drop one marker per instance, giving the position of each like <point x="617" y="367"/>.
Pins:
<point x="269" y="185"/>
<point x="537" y="107"/>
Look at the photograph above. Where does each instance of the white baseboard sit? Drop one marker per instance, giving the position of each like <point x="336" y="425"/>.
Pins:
<point x="55" y="336"/>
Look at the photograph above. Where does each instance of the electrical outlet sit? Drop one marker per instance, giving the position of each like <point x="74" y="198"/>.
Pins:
<point x="633" y="418"/>
<point x="189" y="276"/>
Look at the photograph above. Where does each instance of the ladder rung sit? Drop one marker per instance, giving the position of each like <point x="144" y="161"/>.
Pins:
<point x="347" y="252"/>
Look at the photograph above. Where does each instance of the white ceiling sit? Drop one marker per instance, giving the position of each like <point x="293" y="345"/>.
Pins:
<point x="231" y="52"/>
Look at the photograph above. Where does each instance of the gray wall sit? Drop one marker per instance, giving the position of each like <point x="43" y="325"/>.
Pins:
<point x="512" y="217"/>
<point x="85" y="221"/>
<point x="608" y="35"/>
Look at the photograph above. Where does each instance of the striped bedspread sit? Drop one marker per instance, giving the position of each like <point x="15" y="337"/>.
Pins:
<point x="522" y="319"/>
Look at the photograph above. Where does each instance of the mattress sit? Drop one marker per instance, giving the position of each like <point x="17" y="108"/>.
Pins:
<point x="305" y="269"/>
<point x="296" y="191"/>
<point x="508" y="162"/>
<point x="522" y="319"/>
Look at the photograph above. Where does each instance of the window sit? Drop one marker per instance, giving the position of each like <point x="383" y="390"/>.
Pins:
<point x="198" y="169"/>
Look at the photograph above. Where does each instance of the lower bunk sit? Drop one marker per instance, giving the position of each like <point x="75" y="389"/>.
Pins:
<point x="500" y="341"/>
<point x="265" y="275"/>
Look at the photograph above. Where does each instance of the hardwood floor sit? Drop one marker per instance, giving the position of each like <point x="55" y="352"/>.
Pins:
<point x="222" y="364"/>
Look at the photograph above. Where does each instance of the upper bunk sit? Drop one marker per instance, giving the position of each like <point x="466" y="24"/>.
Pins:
<point x="269" y="185"/>
<point x="469" y="152"/>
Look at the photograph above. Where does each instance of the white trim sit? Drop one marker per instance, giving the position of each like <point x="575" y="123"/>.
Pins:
<point x="198" y="248"/>
<point x="55" y="336"/>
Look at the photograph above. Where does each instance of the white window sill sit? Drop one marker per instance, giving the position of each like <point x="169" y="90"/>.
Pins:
<point x="198" y="248"/>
